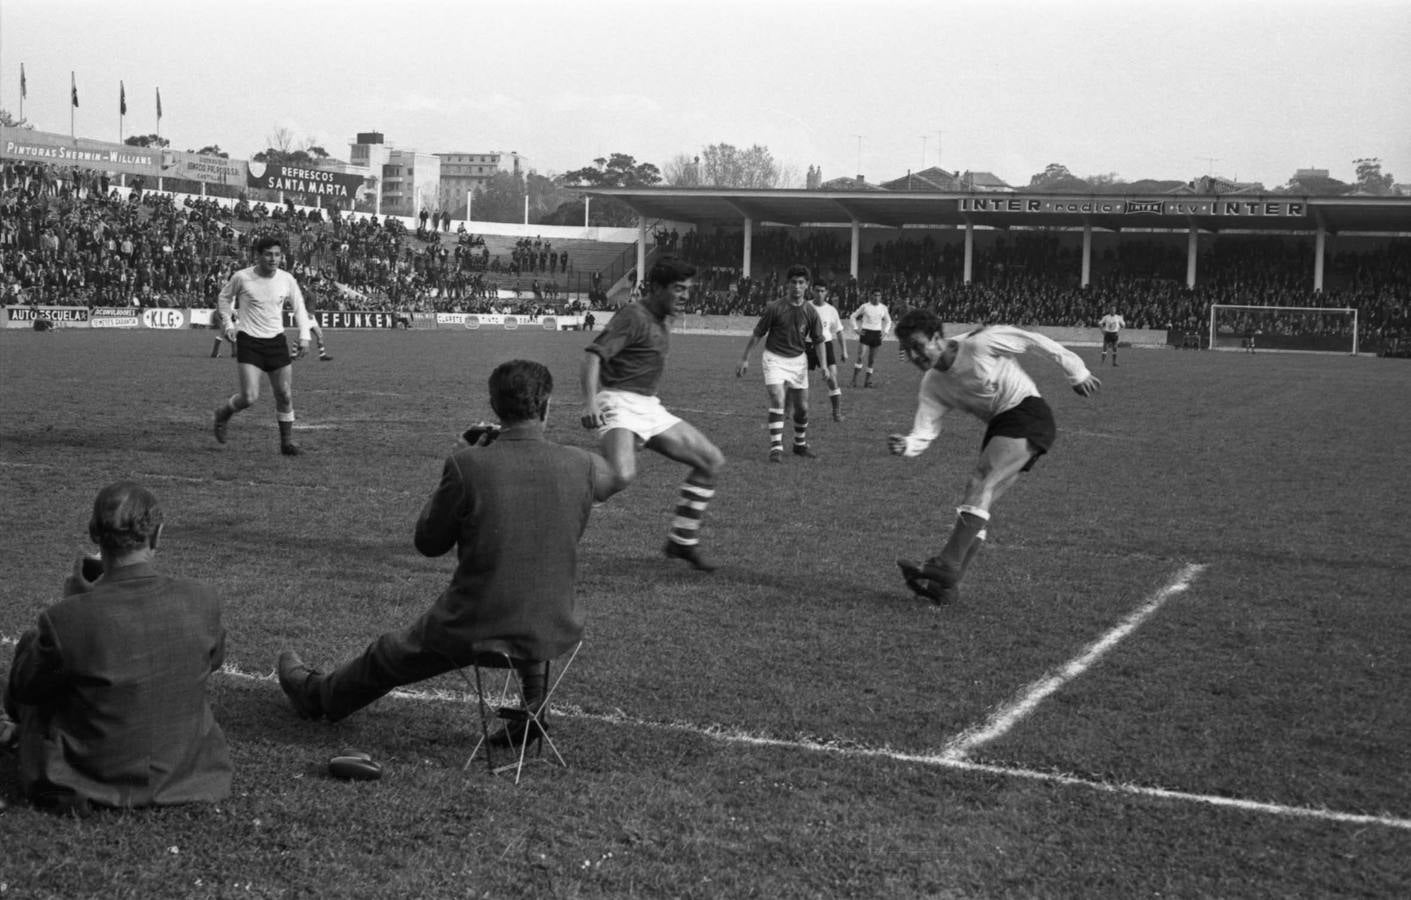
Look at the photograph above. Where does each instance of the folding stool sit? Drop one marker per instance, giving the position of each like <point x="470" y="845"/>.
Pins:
<point x="509" y="704"/>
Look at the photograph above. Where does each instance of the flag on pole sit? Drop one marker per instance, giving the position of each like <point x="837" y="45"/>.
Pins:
<point x="122" y="99"/>
<point x="24" y="85"/>
<point x="73" y="90"/>
<point x="159" y="104"/>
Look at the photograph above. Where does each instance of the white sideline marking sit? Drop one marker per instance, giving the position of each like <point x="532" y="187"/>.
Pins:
<point x="940" y="761"/>
<point x="1008" y="715"/>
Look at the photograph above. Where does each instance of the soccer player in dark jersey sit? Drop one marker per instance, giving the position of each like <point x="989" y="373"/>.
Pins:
<point x="621" y="372"/>
<point x="787" y="327"/>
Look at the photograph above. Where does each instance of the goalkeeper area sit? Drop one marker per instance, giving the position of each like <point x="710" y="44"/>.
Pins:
<point x="1310" y="329"/>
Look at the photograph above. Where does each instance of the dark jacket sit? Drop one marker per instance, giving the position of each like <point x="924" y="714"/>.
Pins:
<point x="110" y="693"/>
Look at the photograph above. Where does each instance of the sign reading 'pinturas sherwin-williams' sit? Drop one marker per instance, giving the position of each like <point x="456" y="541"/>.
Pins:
<point x="297" y="180"/>
<point x="1184" y="206"/>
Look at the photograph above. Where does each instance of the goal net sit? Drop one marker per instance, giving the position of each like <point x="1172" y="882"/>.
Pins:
<point x="1308" y="328"/>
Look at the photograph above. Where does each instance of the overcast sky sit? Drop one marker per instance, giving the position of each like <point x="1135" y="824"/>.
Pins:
<point x="1247" y="89"/>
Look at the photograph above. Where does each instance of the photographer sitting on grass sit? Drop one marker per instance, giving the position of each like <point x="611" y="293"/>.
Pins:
<point x="109" y="690"/>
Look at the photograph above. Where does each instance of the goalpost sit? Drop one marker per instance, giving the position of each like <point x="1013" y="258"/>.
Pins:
<point x="1315" y="329"/>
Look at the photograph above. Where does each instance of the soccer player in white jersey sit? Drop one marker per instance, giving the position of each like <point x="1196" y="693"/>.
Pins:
<point x="1110" y="325"/>
<point x="871" y="321"/>
<point x="832" y="335"/>
<point x="260" y="293"/>
<point x="977" y="373"/>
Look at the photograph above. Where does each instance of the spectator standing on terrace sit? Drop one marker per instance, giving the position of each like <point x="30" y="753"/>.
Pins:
<point x="513" y="508"/>
<point x="1110" y="324"/>
<point x="977" y="373"/>
<point x="871" y="320"/>
<point x="787" y="328"/>
<point x="260" y="293"/>
<point x="620" y="375"/>
<point x="832" y="334"/>
<point x="109" y="689"/>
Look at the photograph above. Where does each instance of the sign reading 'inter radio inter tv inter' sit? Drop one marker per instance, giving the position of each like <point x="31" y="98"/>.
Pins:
<point x="1184" y="206"/>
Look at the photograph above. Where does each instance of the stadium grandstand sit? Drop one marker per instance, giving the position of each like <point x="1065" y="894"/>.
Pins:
<point x="79" y="235"/>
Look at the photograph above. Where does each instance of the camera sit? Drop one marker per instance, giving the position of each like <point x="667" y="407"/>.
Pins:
<point x="481" y="434"/>
<point x="92" y="568"/>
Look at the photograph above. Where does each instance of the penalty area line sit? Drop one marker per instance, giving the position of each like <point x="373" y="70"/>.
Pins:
<point x="940" y="761"/>
<point x="1005" y="717"/>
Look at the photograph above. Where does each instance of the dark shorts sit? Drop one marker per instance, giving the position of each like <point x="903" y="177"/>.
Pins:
<point x="870" y="338"/>
<point x="812" y="353"/>
<point x="1032" y="420"/>
<point x="1109" y="337"/>
<point x="266" y="354"/>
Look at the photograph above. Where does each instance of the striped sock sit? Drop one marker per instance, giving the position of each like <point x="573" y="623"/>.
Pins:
<point x="686" y="525"/>
<point x="776" y="429"/>
<point x="801" y="432"/>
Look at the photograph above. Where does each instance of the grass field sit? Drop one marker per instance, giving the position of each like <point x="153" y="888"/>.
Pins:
<point x="1179" y="669"/>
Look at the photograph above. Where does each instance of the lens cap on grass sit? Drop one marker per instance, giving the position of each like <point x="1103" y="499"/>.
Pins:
<point x="354" y="765"/>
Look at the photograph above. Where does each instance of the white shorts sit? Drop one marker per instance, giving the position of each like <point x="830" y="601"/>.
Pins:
<point x="642" y="415"/>
<point x="790" y="371"/>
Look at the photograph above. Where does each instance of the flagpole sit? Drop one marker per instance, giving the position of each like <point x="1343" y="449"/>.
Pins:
<point x="73" y="93"/>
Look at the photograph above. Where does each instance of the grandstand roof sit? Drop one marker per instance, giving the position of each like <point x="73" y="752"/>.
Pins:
<point x="1115" y="212"/>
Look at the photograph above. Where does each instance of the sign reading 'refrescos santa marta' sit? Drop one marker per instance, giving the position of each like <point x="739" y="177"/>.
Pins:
<point x="298" y="180"/>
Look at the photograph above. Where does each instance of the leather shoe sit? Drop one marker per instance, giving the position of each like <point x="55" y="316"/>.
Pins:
<point x="516" y="733"/>
<point x="294" y="678"/>
<point x="691" y="553"/>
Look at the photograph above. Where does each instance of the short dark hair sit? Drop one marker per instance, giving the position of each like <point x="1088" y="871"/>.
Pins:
<point x="520" y="389"/>
<point x="921" y="321"/>
<point x="821" y="283"/>
<point x="125" y="517"/>
<point x="796" y="270"/>
<point x="266" y="241"/>
<point x="668" y="270"/>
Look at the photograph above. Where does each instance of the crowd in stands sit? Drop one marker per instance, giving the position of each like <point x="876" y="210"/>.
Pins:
<point x="70" y="237"/>
<point x="67" y="236"/>
<point x="1033" y="279"/>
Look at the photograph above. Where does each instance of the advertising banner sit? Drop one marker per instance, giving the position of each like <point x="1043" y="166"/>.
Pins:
<point x="61" y="316"/>
<point x="62" y="150"/>
<point x="203" y="167"/>
<point x="114" y="317"/>
<point x="1260" y="207"/>
<point x="297" y="180"/>
<point x="164" y="318"/>
<point x="336" y="319"/>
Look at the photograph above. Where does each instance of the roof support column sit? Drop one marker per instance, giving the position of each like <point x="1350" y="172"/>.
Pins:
<point x="1087" y="253"/>
<point x="969" y="251"/>
<point x="749" y="247"/>
<point x="856" y="246"/>
<point x="1192" y="245"/>
<point x="1320" y="244"/>
<point x="642" y="250"/>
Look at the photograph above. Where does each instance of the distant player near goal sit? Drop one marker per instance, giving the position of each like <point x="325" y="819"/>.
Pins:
<point x="1110" y="324"/>
<point x="977" y="373"/>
